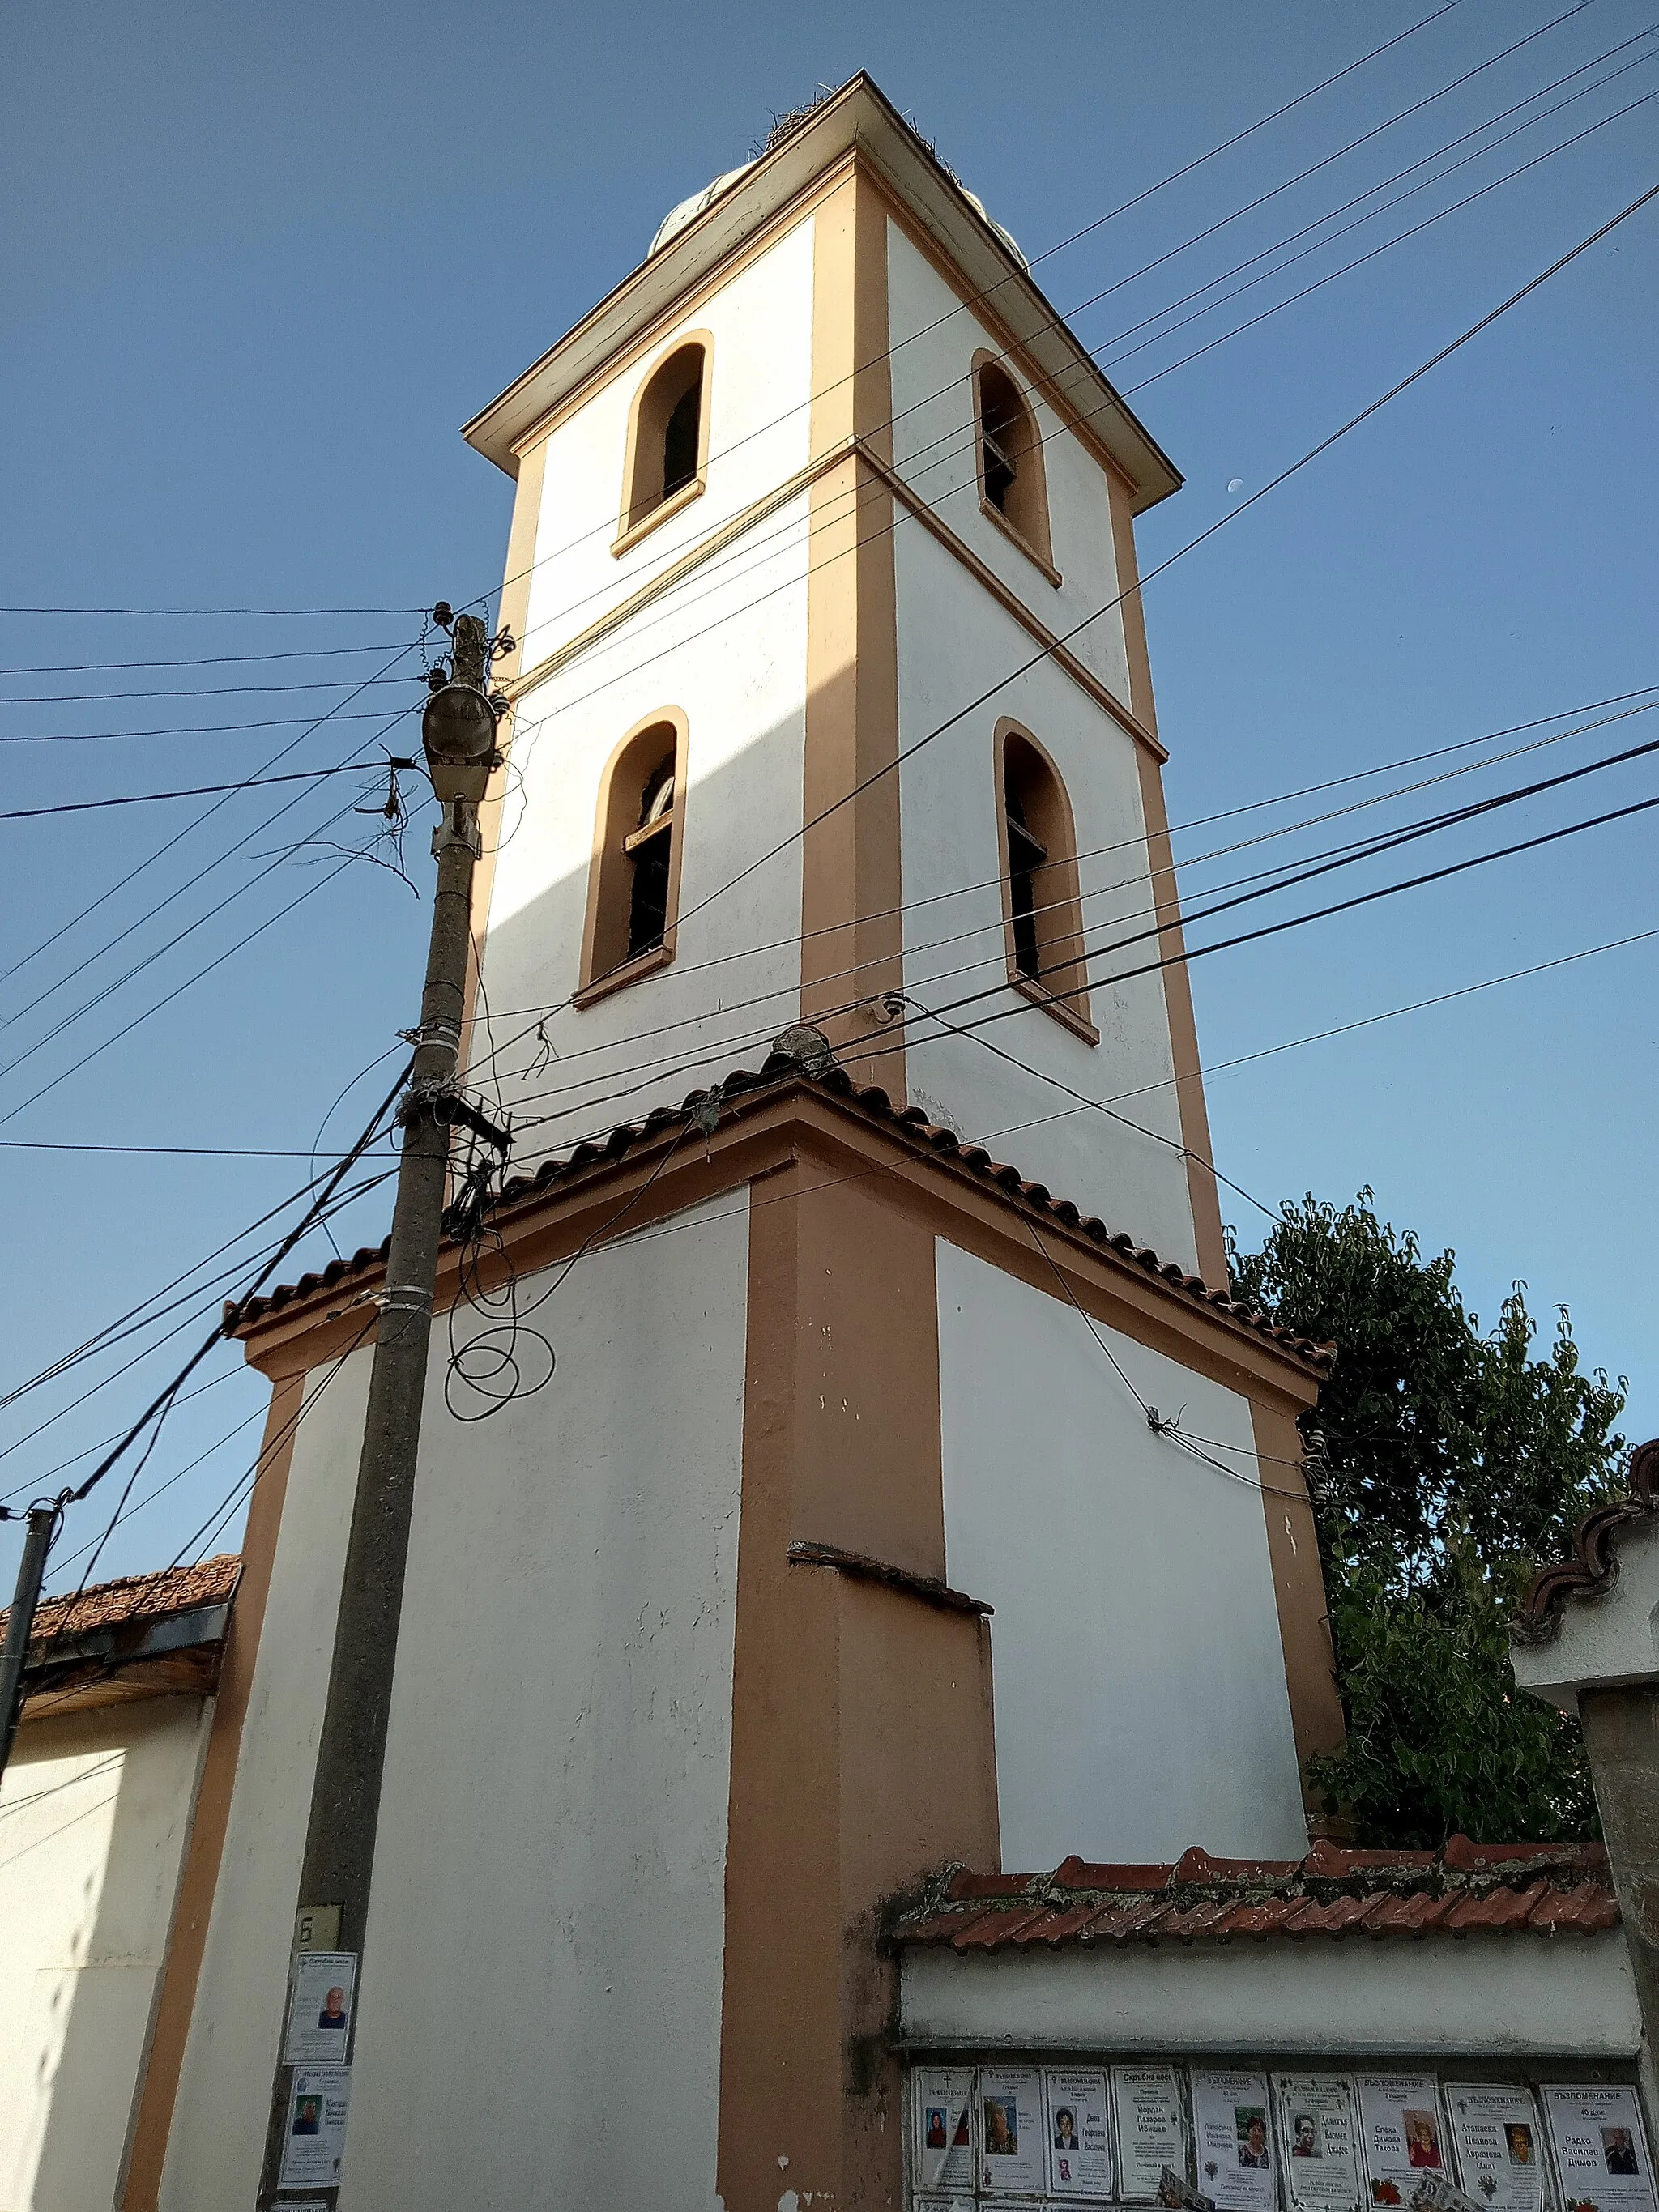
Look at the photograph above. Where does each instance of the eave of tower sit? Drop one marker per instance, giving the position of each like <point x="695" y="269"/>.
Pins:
<point x="861" y="124"/>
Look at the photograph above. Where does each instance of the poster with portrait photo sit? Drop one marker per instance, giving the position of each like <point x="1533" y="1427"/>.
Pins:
<point x="1600" y="2148"/>
<point x="1078" y="2130"/>
<point x="1318" y="2153"/>
<point x="1232" y="2140"/>
<point x="313" y="2134"/>
<point x="1010" y="2148"/>
<point x="1499" y="2141"/>
<point x="942" y="2122"/>
<point x="1150" y="2128"/>
<point x="1401" y="2133"/>
<point x="319" y="2008"/>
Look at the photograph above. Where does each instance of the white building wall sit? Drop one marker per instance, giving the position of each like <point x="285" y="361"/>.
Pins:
<point x="727" y="646"/>
<point x="955" y="642"/>
<point x="541" y="2004"/>
<point x="1139" y="1677"/>
<point x="1476" y="1996"/>
<point x="934" y="339"/>
<point x="95" y="1811"/>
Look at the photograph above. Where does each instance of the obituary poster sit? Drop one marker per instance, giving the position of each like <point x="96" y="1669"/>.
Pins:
<point x="313" y="2140"/>
<point x="943" y="2117"/>
<point x="1318" y="2153"/>
<point x="1399" y="2133"/>
<point x="1150" y="2132"/>
<point x="1499" y="2143"/>
<point x="1010" y="2160"/>
<point x="319" y="2008"/>
<point x="1232" y="2140"/>
<point x="1078" y="2129"/>
<point x="1600" y="2151"/>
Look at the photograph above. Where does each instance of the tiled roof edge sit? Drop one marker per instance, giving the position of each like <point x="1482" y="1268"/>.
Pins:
<point x="1536" y="1888"/>
<point x="1592" y="1567"/>
<point x="779" y="1070"/>
<point x="130" y="1598"/>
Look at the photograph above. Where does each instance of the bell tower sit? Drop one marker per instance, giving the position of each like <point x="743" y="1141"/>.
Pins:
<point x="804" y="728"/>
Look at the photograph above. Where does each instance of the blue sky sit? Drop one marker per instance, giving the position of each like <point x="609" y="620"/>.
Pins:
<point x="263" y="263"/>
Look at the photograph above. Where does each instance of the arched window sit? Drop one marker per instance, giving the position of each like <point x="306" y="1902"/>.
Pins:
<point x="1012" y="489"/>
<point x="1042" y="912"/>
<point x="633" y="880"/>
<point x="667" y="439"/>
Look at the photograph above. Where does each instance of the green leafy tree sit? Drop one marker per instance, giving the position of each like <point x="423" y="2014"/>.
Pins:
<point x="1456" y="1461"/>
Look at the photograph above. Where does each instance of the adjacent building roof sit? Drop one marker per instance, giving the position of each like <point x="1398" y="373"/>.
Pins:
<point x="143" y="1636"/>
<point x="1592" y="1567"/>
<point x="741" y="1089"/>
<point x="1540" y="1889"/>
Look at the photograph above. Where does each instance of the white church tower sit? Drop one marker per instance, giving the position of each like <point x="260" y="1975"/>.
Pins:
<point x="840" y="1544"/>
<point x="820" y="474"/>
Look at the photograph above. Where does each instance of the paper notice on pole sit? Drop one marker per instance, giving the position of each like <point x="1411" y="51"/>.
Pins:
<point x="1232" y="2140"/>
<point x="319" y="2008"/>
<point x="1601" y="2149"/>
<point x="313" y="2139"/>
<point x="1399" y="2133"/>
<point x="1150" y="2131"/>
<point x="1078" y="2129"/>
<point x="942" y="2117"/>
<point x="1500" y="2144"/>
<point x="1318" y="2153"/>
<point x="1010" y="2160"/>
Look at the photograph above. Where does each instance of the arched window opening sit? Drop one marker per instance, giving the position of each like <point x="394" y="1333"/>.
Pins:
<point x="667" y="444"/>
<point x="1043" y="909"/>
<point x="633" y="882"/>
<point x="1025" y="859"/>
<point x="1012" y="482"/>
<point x="649" y="849"/>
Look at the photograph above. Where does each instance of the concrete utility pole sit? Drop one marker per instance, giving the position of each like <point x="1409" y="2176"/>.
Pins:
<point x="459" y="730"/>
<point x="20" y="1625"/>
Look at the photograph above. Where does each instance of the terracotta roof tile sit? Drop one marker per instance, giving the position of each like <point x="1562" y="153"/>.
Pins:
<point x="733" y="1094"/>
<point x="1467" y="1888"/>
<point x="147" y="1597"/>
<point x="1592" y="1567"/>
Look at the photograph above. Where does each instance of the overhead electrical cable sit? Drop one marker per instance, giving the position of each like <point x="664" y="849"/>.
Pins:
<point x="193" y="791"/>
<point x="207" y="813"/>
<point x="998" y="924"/>
<point x="966" y="306"/>
<point x="1303" y="461"/>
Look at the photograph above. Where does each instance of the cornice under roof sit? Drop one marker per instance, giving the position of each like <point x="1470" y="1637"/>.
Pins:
<point x="858" y="118"/>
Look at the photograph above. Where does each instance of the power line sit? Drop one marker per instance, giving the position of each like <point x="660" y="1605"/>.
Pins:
<point x="271" y="921"/>
<point x="194" y="790"/>
<point x="974" y="299"/>
<point x="281" y="753"/>
<point x="1313" y="453"/>
<point x="195" y="729"/>
<point x="997" y="924"/>
<point x="751" y="552"/>
<point x="1294" y="874"/>
<point x="197" y="660"/>
<point x="208" y="691"/>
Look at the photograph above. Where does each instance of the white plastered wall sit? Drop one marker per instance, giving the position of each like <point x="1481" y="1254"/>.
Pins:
<point x="541" y="2006"/>
<point x="955" y="642"/>
<point x="727" y="647"/>
<point x="1139" y="1676"/>
<point x="94" y="1812"/>
<point x="934" y="339"/>
<point x="1477" y="1997"/>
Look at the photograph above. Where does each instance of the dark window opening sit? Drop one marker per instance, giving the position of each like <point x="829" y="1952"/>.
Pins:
<point x="1002" y="430"/>
<point x="1026" y="857"/>
<point x="649" y="849"/>
<point x="667" y="433"/>
<point x="679" y="442"/>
